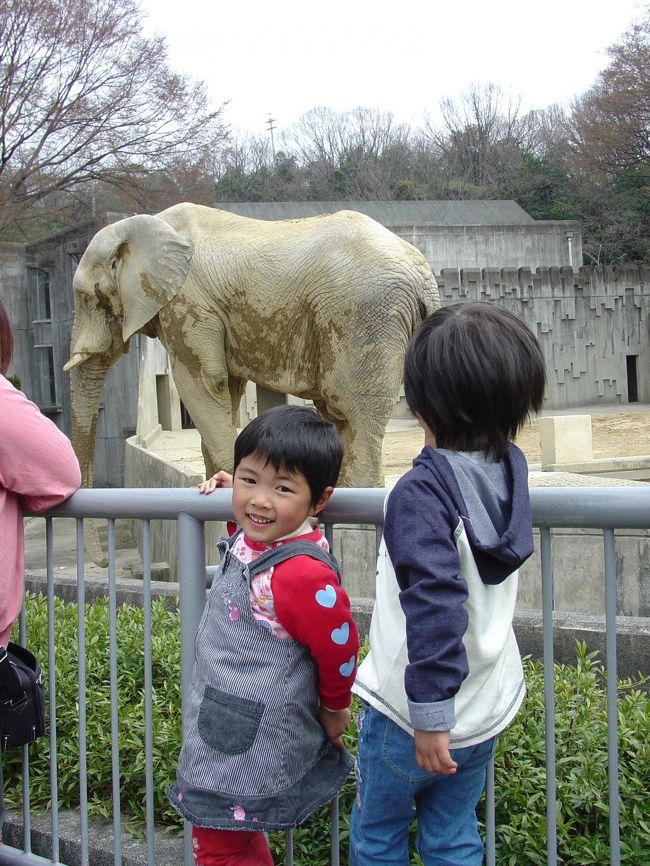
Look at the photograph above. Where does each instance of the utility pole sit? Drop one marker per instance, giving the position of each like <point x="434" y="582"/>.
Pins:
<point x="270" y="123"/>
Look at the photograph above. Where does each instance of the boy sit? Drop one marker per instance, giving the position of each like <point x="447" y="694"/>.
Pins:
<point x="444" y="676"/>
<point x="275" y="650"/>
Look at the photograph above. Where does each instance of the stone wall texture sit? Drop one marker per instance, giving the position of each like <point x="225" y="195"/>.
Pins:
<point x="535" y="244"/>
<point x="589" y="321"/>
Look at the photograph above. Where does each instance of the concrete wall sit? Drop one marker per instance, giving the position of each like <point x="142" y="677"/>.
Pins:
<point x="13" y="291"/>
<point x="538" y="244"/>
<point x="58" y="255"/>
<point x="578" y="564"/>
<point x="144" y="469"/>
<point x="578" y="570"/>
<point x="632" y="633"/>
<point x="588" y="322"/>
<point x="159" y="406"/>
<point x="579" y="573"/>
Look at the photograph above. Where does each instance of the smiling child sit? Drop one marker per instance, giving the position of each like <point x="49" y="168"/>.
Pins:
<point x="276" y="650"/>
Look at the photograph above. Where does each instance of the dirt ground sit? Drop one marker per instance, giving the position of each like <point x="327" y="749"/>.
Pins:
<point x="625" y="434"/>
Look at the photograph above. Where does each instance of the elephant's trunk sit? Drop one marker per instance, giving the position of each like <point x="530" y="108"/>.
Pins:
<point x="86" y="383"/>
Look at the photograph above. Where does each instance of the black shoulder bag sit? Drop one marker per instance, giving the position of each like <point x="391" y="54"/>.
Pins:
<point x="22" y="697"/>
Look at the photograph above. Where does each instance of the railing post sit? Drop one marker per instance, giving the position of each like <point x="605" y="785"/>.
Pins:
<point x="549" y="695"/>
<point x="191" y="591"/>
<point x="612" y="699"/>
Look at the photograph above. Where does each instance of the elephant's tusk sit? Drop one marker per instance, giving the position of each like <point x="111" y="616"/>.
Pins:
<point x="76" y="359"/>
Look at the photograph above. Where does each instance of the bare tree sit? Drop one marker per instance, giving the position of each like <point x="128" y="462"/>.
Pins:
<point x="352" y="154"/>
<point x="244" y="171"/>
<point x="85" y="96"/>
<point x="481" y="136"/>
<point x="611" y="122"/>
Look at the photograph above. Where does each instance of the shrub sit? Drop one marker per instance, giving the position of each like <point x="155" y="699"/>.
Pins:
<point x="581" y="738"/>
<point x="581" y="769"/>
<point x="165" y="634"/>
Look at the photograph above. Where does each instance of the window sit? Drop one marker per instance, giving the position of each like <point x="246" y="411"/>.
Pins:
<point x="44" y="357"/>
<point x="41" y="295"/>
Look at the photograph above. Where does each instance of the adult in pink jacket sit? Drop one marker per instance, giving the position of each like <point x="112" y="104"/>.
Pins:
<point x="38" y="469"/>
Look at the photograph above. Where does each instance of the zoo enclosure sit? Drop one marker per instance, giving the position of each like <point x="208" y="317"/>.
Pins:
<point x="601" y="508"/>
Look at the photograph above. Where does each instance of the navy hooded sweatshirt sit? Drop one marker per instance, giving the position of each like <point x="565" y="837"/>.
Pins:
<point x="457" y="528"/>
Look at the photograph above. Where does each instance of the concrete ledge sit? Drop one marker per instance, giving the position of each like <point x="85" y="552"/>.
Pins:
<point x="129" y="590"/>
<point x="630" y="468"/>
<point x="632" y="639"/>
<point x="168" y="848"/>
<point x="632" y="636"/>
<point x="632" y="633"/>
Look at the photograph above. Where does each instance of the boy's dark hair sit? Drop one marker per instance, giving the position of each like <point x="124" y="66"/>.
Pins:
<point x="298" y="439"/>
<point x="473" y="373"/>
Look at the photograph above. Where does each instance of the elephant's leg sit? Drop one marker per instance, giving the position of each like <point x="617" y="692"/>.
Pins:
<point x="323" y="410"/>
<point x="236" y="387"/>
<point x="209" y="402"/>
<point x="362" y="438"/>
<point x="362" y="389"/>
<point x="210" y="468"/>
<point x="362" y="434"/>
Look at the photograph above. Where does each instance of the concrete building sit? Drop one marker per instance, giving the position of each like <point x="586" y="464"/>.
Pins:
<point x="452" y="234"/>
<point x="593" y="323"/>
<point x="36" y="288"/>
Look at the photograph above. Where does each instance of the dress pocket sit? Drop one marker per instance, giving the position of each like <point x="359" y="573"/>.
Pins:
<point x="228" y="723"/>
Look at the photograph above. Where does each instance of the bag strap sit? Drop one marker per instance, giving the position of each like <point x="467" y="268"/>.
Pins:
<point x="9" y="680"/>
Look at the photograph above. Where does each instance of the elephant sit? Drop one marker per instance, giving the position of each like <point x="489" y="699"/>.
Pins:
<point x="321" y="308"/>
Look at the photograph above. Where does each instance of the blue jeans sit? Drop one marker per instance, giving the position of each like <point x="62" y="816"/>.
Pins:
<point x="392" y="790"/>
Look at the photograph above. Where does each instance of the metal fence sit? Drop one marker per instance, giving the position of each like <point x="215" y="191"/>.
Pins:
<point x="604" y="508"/>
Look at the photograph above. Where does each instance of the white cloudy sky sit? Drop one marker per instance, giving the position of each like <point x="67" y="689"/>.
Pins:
<point x="283" y="57"/>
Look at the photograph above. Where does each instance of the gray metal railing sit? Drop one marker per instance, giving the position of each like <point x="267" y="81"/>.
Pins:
<point x="604" y="508"/>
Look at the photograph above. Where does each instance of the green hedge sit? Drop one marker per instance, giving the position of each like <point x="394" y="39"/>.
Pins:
<point x="520" y="769"/>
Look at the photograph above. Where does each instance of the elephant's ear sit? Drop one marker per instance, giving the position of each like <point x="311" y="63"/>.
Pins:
<point x="152" y="263"/>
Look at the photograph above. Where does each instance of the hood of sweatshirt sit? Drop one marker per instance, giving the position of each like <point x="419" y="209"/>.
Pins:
<point x="493" y="501"/>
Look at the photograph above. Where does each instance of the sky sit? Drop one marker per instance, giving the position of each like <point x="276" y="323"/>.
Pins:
<point x="280" y="58"/>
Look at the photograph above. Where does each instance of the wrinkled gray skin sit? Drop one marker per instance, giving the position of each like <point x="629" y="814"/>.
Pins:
<point x="322" y="308"/>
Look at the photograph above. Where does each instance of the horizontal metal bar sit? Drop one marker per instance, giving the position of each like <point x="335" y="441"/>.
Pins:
<point x="353" y="505"/>
<point x="560" y="507"/>
<point x="591" y="507"/>
<point x="10" y="856"/>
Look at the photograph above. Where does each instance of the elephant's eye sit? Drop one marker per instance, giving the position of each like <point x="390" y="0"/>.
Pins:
<point x="113" y="264"/>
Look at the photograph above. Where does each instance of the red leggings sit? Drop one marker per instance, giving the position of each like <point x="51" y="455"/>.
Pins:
<point x="230" y="848"/>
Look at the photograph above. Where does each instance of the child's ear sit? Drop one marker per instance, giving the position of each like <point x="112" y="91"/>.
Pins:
<point x="322" y="502"/>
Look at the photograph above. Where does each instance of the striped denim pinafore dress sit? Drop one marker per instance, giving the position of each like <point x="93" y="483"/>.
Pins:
<point x="254" y="756"/>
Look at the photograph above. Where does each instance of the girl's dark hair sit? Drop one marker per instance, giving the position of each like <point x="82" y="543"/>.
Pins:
<point x="6" y="340"/>
<point x="294" y="438"/>
<point x="473" y="373"/>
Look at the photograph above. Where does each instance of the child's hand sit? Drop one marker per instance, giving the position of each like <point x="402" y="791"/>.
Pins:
<point x="432" y="752"/>
<point x="334" y="722"/>
<point x="221" y="479"/>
